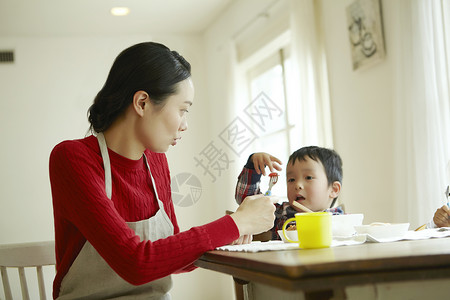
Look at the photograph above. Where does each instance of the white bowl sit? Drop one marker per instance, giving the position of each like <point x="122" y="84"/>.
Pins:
<point x="344" y="225"/>
<point x="384" y="230"/>
<point x="292" y="234"/>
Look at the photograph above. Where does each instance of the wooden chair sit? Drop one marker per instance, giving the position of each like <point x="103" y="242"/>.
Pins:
<point x="26" y="255"/>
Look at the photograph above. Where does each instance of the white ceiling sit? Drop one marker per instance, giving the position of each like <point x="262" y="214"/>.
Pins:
<point x="92" y="17"/>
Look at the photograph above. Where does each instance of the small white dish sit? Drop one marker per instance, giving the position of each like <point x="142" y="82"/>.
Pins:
<point x="292" y="234"/>
<point x="383" y="231"/>
<point x="344" y="225"/>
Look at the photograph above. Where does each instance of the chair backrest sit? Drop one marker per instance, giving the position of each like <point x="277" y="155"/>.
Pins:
<point x="26" y="255"/>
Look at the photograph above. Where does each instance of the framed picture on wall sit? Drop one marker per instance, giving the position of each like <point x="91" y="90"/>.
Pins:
<point x="365" y="31"/>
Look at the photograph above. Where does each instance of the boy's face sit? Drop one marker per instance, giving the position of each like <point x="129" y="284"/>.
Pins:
<point x="307" y="184"/>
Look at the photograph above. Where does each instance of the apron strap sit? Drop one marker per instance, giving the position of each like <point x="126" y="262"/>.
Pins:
<point x="107" y="167"/>
<point x="106" y="164"/>
<point x="153" y="180"/>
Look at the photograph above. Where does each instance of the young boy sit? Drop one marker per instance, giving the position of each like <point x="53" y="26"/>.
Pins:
<point x="313" y="175"/>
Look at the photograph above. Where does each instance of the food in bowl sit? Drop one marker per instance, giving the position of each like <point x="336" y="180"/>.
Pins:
<point x="292" y="227"/>
<point x="379" y="224"/>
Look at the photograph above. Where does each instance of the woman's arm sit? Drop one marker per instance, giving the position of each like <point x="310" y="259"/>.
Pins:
<point x="80" y="201"/>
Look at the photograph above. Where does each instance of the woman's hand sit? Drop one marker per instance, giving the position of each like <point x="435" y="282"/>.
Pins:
<point x="255" y="214"/>
<point x="441" y="217"/>
<point x="243" y="239"/>
<point x="261" y="160"/>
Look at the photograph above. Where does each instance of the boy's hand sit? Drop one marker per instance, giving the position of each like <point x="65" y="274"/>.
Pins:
<point x="261" y="160"/>
<point x="441" y="217"/>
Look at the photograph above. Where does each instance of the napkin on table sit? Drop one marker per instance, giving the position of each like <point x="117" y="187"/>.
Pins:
<point x="280" y="245"/>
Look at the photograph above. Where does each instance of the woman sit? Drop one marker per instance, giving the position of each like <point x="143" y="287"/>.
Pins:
<point x="115" y="228"/>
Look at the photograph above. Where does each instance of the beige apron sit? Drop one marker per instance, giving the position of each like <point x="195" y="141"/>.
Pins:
<point x="90" y="277"/>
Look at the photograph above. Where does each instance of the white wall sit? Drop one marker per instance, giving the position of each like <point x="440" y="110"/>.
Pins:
<point x="44" y="98"/>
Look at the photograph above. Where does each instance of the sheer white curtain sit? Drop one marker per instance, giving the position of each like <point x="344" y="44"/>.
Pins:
<point x="311" y="86"/>
<point x="422" y="108"/>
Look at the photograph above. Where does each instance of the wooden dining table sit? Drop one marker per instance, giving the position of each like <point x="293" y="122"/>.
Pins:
<point x="416" y="266"/>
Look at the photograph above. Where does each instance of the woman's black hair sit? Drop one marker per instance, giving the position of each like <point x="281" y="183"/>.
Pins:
<point x="329" y="158"/>
<point x="149" y="67"/>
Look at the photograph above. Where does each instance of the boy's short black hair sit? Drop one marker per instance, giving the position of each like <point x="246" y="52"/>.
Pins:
<point x="329" y="158"/>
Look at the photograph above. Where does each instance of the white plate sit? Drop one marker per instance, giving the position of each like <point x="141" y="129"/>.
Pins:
<point x="382" y="231"/>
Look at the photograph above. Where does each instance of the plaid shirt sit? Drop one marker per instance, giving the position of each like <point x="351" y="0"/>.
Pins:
<point x="248" y="184"/>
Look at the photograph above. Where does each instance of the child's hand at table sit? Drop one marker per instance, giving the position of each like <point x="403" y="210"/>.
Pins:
<point x="441" y="217"/>
<point x="261" y="160"/>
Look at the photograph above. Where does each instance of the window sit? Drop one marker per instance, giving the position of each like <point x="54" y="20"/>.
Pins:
<point x="269" y="75"/>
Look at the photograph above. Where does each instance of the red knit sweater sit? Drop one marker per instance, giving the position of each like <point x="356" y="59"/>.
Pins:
<point x="83" y="211"/>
